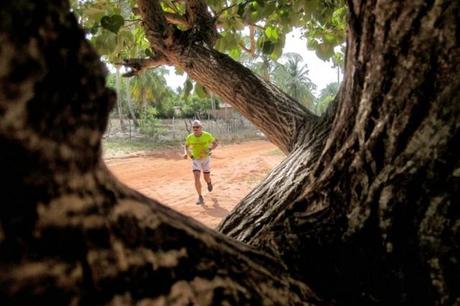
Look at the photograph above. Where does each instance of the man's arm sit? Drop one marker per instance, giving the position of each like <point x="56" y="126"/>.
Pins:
<point x="214" y="145"/>
<point x="186" y="152"/>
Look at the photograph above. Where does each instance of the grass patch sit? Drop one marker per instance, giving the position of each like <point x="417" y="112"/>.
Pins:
<point x="124" y="146"/>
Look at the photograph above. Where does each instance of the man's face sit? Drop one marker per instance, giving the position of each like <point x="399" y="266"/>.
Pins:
<point x="196" y="129"/>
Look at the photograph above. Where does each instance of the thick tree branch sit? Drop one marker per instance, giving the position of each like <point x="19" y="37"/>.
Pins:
<point x="137" y="65"/>
<point x="203" y="24"/>
<point x="157" y="30"/>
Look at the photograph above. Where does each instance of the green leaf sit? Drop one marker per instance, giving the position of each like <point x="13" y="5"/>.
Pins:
<point x="312" y="43"/>
<point x="235" y="53"/>
<point x="201" y="91"/>
<point x="269" y="9"/>
<point x="330" y="39"/>
<point x="325" y="51"/>
<point x="188" y="86"/>
<point x="105" y="42"/>
<point x="106" y="22"/>
<point x="149" y="52"/>
<point x="261" y="2"/>
<point x="272" y="33"/>
<point x="112" y="23"/>
<point x="268" y="47"/>
<point x="278" y="49"/>
<point x="125" y="38"/>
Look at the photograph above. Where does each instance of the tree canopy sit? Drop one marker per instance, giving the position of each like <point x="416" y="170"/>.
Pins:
<point x="254" y="27"/>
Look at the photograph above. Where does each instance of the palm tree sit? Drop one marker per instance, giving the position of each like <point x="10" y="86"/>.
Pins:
<point x="149" y="86"/>
<point x="293" y="78"/>
<point x="264" y="68"/>
<point x="129" y="102"/>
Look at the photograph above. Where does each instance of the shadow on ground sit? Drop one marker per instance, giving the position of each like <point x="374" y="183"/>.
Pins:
<point x="215" y="210"/>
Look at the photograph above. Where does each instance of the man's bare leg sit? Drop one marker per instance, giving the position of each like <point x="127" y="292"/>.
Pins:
<point x="196" y="175"/>
<point x="207" y="178"/>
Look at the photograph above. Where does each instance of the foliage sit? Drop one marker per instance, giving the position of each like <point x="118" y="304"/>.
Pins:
<point x="323" y="21"/>
<point x="292" y="77"/>
<point x="116" y="30"/>
<point x="195" y="107"/>
<point x="149" y="123"/>
<point x="149" y="91"/>
<point x="150" y="88"/>
<point x="326" y="96"/>
<point x="262" y="66"/>
<point x="112" y="27"/>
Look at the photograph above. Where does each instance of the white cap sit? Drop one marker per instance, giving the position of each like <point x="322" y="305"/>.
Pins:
<point x="196" y="123"/>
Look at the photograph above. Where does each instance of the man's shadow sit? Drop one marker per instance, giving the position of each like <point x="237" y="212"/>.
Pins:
<point x="215" y="210"/>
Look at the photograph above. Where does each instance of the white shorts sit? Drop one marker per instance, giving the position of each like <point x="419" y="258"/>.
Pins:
<point x="202" y="164"/>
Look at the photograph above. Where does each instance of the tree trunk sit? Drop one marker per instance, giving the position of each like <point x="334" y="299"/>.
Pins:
<point x="373" y="220"/>
<point x="143" y="98"/>
<point x="363" y="209"/>
<point x="119" y="108"/>
<point x="130" y="104"/>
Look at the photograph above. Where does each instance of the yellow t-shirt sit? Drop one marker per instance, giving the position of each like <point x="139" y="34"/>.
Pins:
<point x="200" y="145"/>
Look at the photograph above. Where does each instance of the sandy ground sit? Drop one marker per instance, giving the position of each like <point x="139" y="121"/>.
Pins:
<point x="167" y="177"/>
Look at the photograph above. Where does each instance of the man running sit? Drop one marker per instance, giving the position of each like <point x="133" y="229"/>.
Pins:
<point x="198" y="145"/>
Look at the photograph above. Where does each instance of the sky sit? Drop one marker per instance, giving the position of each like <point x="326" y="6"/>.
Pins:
<point x="320" y="73"/>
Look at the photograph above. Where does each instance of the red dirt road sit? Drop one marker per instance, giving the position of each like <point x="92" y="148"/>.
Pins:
<point x="167" y="177"/>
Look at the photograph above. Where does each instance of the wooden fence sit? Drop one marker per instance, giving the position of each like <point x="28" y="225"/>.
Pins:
<point x="233" y="129"/>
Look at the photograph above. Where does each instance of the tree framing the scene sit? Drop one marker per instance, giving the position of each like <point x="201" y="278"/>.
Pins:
<point x="362" y="211"/>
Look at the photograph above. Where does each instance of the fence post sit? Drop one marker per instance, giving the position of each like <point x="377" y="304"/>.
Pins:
<point x="174" y="128"/>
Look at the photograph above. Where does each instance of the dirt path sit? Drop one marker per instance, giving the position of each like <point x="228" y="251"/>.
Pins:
<point x="165" y="176"/>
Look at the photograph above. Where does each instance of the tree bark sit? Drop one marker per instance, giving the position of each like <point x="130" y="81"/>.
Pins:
<point x="373" y="220"/>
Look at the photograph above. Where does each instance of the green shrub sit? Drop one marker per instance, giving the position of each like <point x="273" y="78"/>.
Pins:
<point x="149" y="124"/>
